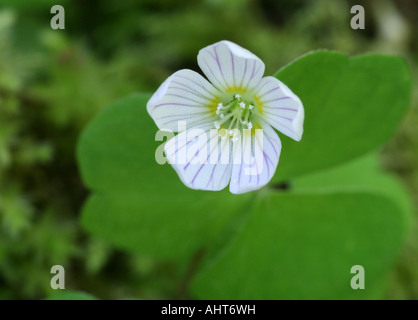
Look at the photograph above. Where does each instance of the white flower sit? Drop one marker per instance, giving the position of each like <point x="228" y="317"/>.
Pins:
<point x="246" y="99"/>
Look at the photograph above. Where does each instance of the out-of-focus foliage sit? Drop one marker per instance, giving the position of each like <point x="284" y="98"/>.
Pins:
<point x="340" y="108"/>
<point x="53" y="81"/>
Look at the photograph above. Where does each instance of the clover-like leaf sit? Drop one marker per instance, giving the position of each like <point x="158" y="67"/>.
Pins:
<point x="138" y="204"/>
<point x="303" y="244"/>
<point x="352" y="106"/>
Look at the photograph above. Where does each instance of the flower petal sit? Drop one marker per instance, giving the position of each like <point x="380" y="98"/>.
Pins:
<point x="230" y="67"/>
<point x="280" y="107"/>
<point x="184" y="96"/>
<point x="207" y="170"/>
<point x="266" y="151"/>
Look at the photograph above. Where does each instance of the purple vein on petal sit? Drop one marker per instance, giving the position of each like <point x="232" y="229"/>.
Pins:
<point x="182" y="97"/>
<point x="278" y="99"/>
<point x="216" y="79"/>
<point x="233" y="67"/>
<point x="206" y="119"/>
<point x="267" y="158"/>
<point x="279" y="124"/>
<point x="189" y="115"/>
<point x="189" y="89"/>
<point x="270" y="91"/>
<point x="252" y="74"/>
<point x="198" y="171"/>
<point x="206" y="144"/>
<point x="240" y="170"/>
<point x="272" y="114"/>
<point x="278" y="116"/>
<point x="280" y="108"/>
<point x="219" y="64"/>
<point x="273" y="147"/>
<point x="177" y="150"/>
<point x="245" y="72"/>
<point x="213" y="170"/>
<point x="258" y="88"/>
<point x="174" y="104"/>
<point x="198" y="84"/>
<point x="226" y="169"/>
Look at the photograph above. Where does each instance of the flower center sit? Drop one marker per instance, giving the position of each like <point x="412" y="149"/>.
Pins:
<point x="235" y="114"/>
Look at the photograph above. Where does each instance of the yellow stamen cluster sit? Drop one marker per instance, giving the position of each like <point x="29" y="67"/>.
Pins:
<point x="235" y="114"/>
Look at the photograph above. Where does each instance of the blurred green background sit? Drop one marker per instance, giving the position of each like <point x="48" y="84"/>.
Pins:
<point x="52" y="82"/>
